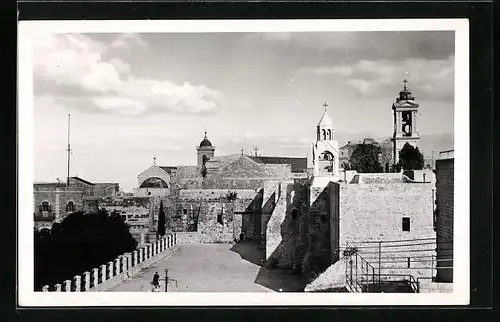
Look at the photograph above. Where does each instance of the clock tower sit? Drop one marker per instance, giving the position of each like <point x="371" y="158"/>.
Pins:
<point x="405" y="112"/>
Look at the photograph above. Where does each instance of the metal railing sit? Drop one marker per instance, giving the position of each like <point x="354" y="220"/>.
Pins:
<point x="360" y="275"/>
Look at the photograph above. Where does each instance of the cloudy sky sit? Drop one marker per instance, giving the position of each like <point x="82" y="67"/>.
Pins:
<point x="133" y="97"/>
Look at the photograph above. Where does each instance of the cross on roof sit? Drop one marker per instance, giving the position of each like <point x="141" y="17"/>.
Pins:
<point x="405" y="81"/>
<point x="325" y="105"/>
<point x="241" y="152"/>
<point x="154" y="160"/>
<point x="256" y="149"/>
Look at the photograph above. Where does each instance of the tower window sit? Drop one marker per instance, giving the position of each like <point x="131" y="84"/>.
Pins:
<point x="219" y="219"/>
<point x="406" y="223"/>
<point x="324" y="135"/>
<point x="70" y="207"/>
<point x="295" y="214"/>
<point x="45" y="206"/>
<point x="184" y="211"/>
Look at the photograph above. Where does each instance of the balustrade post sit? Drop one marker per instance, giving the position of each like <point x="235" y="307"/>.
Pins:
<point x="141" y="255"/>
<point x="117" y="266"/>
<point x="129" y="261"/>
<point x="110" y="269"/>
<point x="103" y="272"/>
<point x="45" y="288"/>
<point x="67" y="286"/>
<point x="95" y="276"/>
<point x="86" y="277"/>
<point x="58" y="287"/>
<point x="78" y="283"/>
<point x="136" y="253"/>
<point x="154" y="249"/>
<point x="124" y="263"/>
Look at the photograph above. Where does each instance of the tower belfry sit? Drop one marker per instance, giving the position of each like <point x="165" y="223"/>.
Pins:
<point x="405" y="113"/>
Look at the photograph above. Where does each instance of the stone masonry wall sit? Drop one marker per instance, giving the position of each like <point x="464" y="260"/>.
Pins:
<point x="372" y="213"/>
<point x="444" y="218"/>
<point x="286" y="229"/>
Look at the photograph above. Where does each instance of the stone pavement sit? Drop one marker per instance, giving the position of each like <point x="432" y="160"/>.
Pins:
<point x="214" y="268"/>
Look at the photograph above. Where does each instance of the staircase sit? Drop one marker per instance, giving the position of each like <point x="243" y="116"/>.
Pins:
<point x="361" y="277"/>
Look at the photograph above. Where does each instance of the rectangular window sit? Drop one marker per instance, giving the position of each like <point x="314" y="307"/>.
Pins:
<point x="406" y="223"/>
<point x="184" y="211"/>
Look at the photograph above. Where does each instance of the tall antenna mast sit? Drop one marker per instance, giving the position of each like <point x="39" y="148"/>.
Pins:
<point x="69" y="146"/>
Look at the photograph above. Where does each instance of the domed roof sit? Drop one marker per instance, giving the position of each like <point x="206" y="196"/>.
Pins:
<point x="325" y="121"/>
<point x="205" y="142"/>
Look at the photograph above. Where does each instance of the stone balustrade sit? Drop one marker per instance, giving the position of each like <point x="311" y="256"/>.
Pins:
<point x="121" y="268"/>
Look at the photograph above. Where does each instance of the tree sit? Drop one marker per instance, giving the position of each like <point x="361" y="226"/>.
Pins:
<point x="79" y="243"/>
<point x="410" y="158"/>
<point x="364" y="159"/>
<point x="161" y="221"/>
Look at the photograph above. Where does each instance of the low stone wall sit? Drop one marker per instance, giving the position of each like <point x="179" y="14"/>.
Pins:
<point x="122" y="268"/>
<point x="188" y="237"/>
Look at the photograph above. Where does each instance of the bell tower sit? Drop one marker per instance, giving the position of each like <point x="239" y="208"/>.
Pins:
<point x="405" y="113"/>
<point x="325" y="151"/>
<point x="205" y="151"/>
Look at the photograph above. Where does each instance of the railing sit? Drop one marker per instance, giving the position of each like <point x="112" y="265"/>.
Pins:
<point x="121" y="268"/>
<point x="360" y="275"/>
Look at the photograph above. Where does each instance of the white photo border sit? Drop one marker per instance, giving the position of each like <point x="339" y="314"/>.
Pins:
<point x="27" y="297"/>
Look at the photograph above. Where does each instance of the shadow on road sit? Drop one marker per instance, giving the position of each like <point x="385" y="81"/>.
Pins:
<point x="272" y="278"/>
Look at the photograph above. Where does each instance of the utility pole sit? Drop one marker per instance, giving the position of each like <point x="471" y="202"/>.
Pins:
<point x="69" y="146"/>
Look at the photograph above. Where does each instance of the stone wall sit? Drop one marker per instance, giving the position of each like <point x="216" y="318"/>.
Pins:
<point x="287" y="225"/>
<point x="444" y="218"/>
<point x="58" y="199"/>
<point x="214" y="217"/>
<point x="319" y="251"/>
<point x="370" y="214"/>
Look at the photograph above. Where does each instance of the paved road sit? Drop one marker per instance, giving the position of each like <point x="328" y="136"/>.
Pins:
<point x="214" y="268"/>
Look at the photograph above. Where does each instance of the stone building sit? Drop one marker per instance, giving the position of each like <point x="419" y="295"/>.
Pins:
<point x="53" y="201"/>
<point x="444" y="216"/>
<point x="310" y="224"/>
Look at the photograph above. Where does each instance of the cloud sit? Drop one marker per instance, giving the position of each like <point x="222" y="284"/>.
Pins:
<point x="127" y="41"/>
<point x="71" y="68"/>
<point x="380" y="44"/>
<point x="430" y="78"/>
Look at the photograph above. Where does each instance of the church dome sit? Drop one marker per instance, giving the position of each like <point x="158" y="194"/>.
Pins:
<point x="325" y="121"/>
<point x="205" y="142"/>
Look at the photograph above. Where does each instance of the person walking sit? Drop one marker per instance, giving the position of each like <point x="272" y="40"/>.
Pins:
<point x="156" y="282"/>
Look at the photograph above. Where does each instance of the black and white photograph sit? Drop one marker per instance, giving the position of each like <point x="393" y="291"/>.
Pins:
<point x="244" y="163"/>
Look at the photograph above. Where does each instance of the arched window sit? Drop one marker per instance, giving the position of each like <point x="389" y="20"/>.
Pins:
<point x="329" y="134"/>
<point x="295" y="213"/>
<point x="324" y="134"/>
<point x="45" y="206"/>
<point x="154" y="182"/>
<point x="70" y="206"/>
